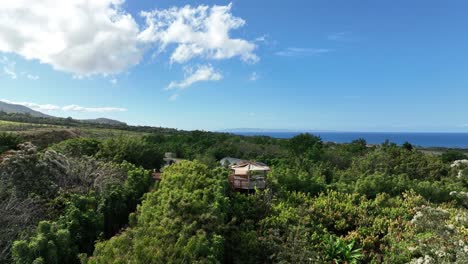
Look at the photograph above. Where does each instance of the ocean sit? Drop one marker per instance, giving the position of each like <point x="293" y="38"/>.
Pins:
<point x="447" y="140"/>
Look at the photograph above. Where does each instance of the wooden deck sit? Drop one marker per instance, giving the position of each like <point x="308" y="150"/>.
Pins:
<point x="156" y="176"/>
<point x="242" y="183"/>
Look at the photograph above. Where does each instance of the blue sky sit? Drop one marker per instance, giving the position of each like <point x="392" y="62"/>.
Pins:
<point x="320" y="65"/>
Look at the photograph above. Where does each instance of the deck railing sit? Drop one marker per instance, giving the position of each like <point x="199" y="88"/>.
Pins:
<point x="245" y="183"/>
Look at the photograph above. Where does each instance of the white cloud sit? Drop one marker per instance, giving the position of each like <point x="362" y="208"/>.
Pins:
<point x="198" y="32"/>
<point x="68" y="108"/>
<point x="98" y="37"/>
<point x="77" y="108"/>
<point x="83" y="37"/>
<point x="292" y="51"/>
<point x="254" y="76"/>
<point x="34" y="106"/>
<point x="173" y="97"/>
<point x="193" y="75"/>
<point x="10" y="72"/>
<point x="261" y="38"/>
<point x="32" y="77"/>
<point x="8" y="67"/>
<point x="113" y="81"/>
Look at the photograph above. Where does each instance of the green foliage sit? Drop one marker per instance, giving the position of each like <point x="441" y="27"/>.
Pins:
<point x="328" y="203"/>
<point x="180" y="222"/>
<point x="8" y="141"/>
<point x="77" y="147"/>
<point x="131" y="149"/>
<point x="83" y="221"/>
<point x="306" y="145"/>
<point x="453" y="155"/>
<point x="85" y="205"/>
<point x="51" y="245"/>
<point x="339" y="251"/>
<point x="407" y="146"/>
<point x="357" y="147"/>
<point x="245" y="211"/>
<point x="296" y="178"/>
<point x="117" y="203"/>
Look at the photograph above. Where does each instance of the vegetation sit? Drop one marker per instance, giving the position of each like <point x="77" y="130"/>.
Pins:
<point x="90" y="199"/>
<point x="8" y="141"/>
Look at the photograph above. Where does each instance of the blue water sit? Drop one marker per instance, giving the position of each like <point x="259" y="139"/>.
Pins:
<point x="449" y="140"/>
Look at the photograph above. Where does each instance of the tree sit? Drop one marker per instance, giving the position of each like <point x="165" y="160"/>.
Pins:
<point x="408" y="146"/>
<point x="131" y="149"/>
<point x="357" y="146"/>
<point x="306" y="145"/>
<point x="77" y="147"/>
<point x="180" y="222"/>
<point x="51" y="245"/>
<point x="453" y="155"/>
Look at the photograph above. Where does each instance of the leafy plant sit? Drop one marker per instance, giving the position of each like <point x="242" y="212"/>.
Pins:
<point x="339" y="251"/>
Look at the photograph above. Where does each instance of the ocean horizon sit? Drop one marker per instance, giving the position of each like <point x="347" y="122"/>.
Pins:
<point x="421" y="139"/>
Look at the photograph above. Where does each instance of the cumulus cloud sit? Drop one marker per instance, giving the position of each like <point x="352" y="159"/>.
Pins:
<point x="292" y="52"/>
<point x="67" y="108"/>
<point x="88" y="37"/>
<point x="193" y="75"/>
<point x="197" y="32"/>
<point x="83" y="37"/>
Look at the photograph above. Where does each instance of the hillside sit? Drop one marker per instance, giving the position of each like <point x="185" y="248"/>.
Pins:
<point x="104" y="121"/>
<point x="24" y="110"/>
<point x="20" y="109"/>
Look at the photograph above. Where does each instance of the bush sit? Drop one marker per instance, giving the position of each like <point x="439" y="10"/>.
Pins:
<point x="180" y="222"/>
<point x="8" y="141"/>
<point x="77" y="147"/>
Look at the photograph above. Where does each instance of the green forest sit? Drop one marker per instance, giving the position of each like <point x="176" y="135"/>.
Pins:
<point x="84" y="193"/>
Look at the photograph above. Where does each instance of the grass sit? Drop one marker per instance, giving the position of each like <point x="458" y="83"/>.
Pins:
<point x="9" y="126"/>
<point x="43" y="135"/>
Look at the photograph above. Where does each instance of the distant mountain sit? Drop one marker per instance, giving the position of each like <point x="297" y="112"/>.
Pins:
<point x="21" y="109"/>
<point x="104" y="121"/>
<point x="15" y="109"/>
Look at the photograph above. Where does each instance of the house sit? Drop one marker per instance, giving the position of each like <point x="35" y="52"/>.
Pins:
<point x="230" y="161"/>
<point x="248" y="176"/>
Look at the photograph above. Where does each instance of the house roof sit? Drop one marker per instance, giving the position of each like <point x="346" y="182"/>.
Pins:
<point x="231" y="161"/>
<point x="245" y="167"/>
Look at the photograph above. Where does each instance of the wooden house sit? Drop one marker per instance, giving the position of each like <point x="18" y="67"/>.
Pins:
<point x="248" y="176"/>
